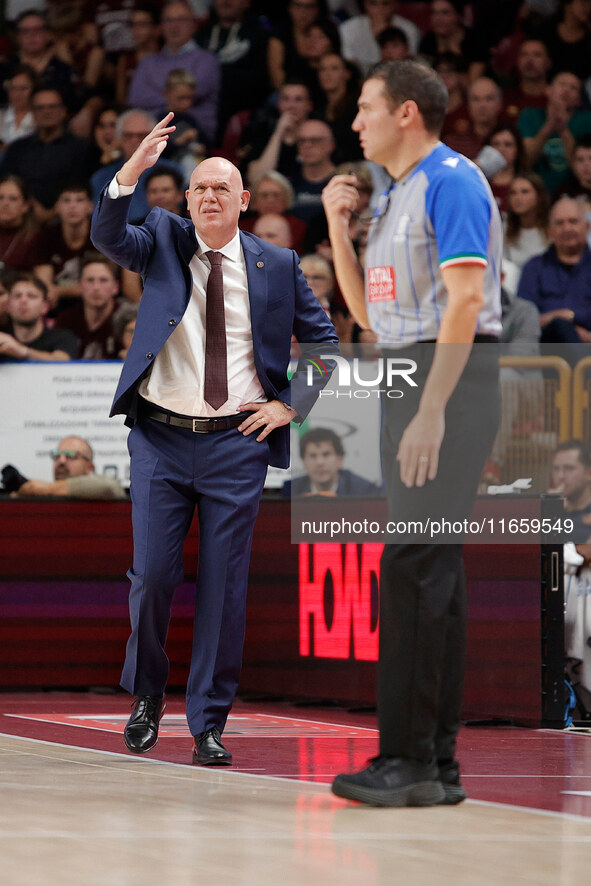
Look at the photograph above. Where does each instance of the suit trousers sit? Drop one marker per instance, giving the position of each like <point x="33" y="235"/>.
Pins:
<point x="172" y="471"/>
<point x="422" y="586"/>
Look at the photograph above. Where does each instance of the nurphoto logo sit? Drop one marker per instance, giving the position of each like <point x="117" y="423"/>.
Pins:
<point x="361" y="379"/>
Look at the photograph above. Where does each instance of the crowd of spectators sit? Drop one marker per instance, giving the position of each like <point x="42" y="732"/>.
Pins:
<point x="274" y="88"/>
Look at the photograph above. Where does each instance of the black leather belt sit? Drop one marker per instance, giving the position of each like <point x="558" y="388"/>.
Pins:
<point x="197" y="425"/>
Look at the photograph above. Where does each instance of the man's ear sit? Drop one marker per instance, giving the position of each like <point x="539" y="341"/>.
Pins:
<point x="409" y="111"/>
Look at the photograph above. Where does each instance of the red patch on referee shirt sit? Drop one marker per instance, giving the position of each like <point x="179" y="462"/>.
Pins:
<point x="381" y="284"/>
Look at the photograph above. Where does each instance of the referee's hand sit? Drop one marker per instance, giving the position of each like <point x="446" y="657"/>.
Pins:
<point x="418" y="452"/>
<point x="340" y="199"/>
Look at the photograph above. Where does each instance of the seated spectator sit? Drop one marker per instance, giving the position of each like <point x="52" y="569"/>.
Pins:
<point x="568" y="38"/>
<point x="76" y="42"/>
<point x="270" y="139"/>
<point x="359" y="34"/>
<point x="239" y="38"/>
<point x="16" y="119"/>
<point x="287" y="44"/>
<point x="393" y="44"/>
<point x="558" y="282"/>
<point x="508" y="142"/>
<point x="92" y="318"/>
<point x="317" y="239"/>
<point x="485" y="103"/>
<point x="18" y="227"/>
<point x="62" y="244"/>
<point x="132" y="127"/>
<point x="322" y="38"/>
<point x="322" y="454"/>
<point x="74" y="475"/>
<point x="185" y="147"/>
<point x="448" y="33"/>
<point x="164" y="188"/>
<point x="34" y="48"/>
<point x="578" y="183"/>
<point x="532" y="69"/>
<point x="124" y="325"/>
<point x="320" y="278"/>
<point x="145" y="32"/>
<point x="315" y="145"/>
<point x="30" y="339"/>
<point x="179" y="51"/>
<point x="452" y="70"/>
<point x="273" y="228"/>
<point x="272" y="192"/>
<point x="571" y="478"/>
<point x="549" y="134"/>
<point x="526" y="221"/>
<point x="339" y="83"/>
<point x="51" y="157"/>
<point x="520" y="333"/>
<point x="105" y="147"/>
<point x="5" y="277"/>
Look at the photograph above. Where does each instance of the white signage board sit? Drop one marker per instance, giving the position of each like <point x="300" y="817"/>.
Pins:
<point x="40" y="403"/>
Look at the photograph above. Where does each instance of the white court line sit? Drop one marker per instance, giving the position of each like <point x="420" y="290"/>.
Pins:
<point x="337" y="728"/>
<point x="148" y="763"/>
<point x="486" y="775"/>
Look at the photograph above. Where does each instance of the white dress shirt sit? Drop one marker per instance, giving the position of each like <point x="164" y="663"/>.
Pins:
<point x="10" y="130"/>
<point x="176" y="378"/>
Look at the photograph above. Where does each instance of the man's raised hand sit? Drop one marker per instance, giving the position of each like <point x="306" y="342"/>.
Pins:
<point x="147" y="153"/>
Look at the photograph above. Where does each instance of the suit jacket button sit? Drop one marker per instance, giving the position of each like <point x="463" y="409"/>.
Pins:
<point x="172" y="322"/>
<point x="260" y="264"/>
<point x="149" y="355"/>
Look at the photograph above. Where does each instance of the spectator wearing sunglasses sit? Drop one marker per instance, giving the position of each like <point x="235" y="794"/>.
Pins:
<point x="74" y="475"/>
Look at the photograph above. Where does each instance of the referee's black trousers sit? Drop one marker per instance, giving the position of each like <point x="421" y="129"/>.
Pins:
<point x="422" y="584"/>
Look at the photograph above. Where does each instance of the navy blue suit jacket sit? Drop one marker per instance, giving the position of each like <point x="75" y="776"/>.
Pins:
<point x="281" y="303"/>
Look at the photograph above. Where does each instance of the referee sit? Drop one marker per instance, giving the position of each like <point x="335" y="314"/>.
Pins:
<point x="431" y="293"/>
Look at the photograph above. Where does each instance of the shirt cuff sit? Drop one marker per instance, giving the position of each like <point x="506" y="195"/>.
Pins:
<point x="117" y="190"/>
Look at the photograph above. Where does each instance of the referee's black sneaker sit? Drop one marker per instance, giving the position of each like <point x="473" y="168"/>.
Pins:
<point x="141" y="731"/>
<point x="449" y="776"/>
<point x="392" y="781"/>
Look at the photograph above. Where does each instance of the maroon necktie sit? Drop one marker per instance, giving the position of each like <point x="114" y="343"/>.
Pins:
<point x="215" y="387"/>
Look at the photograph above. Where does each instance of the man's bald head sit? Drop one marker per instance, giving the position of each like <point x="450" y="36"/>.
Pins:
<point x="73" y="459"/>
<point x="273" y="228"/>
<point x="215" y="198"/>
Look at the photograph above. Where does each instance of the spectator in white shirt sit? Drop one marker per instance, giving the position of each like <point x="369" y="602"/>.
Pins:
<point x="16" y="119"/>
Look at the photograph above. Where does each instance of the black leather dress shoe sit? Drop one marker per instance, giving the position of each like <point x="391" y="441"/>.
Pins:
<point x="209" y="750"/>
<point x="141" y="732"/>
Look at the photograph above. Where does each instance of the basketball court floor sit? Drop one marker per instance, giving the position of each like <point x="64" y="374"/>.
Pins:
<point x="76" y="808"/>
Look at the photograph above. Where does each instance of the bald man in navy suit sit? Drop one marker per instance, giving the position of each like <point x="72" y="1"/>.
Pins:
<point x="186" y="449"/>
